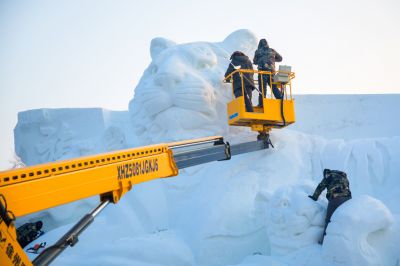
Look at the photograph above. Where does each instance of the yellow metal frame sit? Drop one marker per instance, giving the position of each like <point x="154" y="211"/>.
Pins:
<point x="263" y="119"/>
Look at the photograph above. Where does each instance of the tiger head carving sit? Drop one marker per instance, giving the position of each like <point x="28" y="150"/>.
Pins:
<point x="181" y="94"/>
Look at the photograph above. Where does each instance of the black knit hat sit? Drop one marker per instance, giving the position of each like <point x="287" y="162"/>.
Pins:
<point x="263" y="43"/>
<point x="326" y="172"/>
<point x="236" y="53"/>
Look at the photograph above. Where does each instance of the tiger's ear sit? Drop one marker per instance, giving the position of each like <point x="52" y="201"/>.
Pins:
<point x="261" y="204"/>
<point x="241" y="40"/>
<point x="158" y="45"/>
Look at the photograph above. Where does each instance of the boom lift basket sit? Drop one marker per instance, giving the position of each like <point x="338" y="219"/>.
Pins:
<point x="274" y="113"/>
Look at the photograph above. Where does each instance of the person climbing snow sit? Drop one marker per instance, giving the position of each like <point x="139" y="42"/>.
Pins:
<point x="338" y="192"/>
<point x="242" y="61"/>
<point x="265" y="58"/>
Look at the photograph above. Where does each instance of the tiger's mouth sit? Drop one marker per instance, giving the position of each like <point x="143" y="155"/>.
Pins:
<point x="293" y="227"/>
<point x="196" y="96"/>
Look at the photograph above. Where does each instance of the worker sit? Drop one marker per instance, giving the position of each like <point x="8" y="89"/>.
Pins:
<point x="29" y="232"/>
<point x="240" y="60"/>
<point x="265" y="58"/>
<point x="338" y="192"/>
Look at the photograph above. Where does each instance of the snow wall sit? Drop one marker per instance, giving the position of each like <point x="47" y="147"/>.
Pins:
<point x="251" y="210"/>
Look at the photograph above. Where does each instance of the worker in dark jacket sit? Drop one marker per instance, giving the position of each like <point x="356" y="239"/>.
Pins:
<point x="240" y="60"/>
<point x="29" y="232"/>
<point x="265" y="59"/>
<point x="338" y="192"/>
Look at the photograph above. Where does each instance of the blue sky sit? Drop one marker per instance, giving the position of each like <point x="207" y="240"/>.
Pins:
<point x="90" y="53"/>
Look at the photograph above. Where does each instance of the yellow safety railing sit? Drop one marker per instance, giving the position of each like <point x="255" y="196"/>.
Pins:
<point x="260" y="74"/>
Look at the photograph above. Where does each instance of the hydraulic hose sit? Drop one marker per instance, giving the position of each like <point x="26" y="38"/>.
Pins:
<point x="282" y="111"/>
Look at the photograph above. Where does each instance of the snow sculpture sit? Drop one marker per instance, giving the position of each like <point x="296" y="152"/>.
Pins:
<point x="293" y="220"/>
<point x="181" y="94"/>
<point x="360" y="231"/>
<point x="46" y="135"/>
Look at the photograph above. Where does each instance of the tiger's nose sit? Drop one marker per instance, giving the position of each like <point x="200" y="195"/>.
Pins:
<point x="170" y="73"/>
<point x="277" y="217"/>
<point x="167" y="80"/>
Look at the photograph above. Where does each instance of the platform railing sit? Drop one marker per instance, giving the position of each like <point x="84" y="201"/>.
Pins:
<point x="281" y="85"/>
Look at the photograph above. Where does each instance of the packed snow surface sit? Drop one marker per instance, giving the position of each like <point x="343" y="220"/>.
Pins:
<point x="250" y="210"/>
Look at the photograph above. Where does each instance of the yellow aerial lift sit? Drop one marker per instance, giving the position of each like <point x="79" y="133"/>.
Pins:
<point x="111" y="175"/>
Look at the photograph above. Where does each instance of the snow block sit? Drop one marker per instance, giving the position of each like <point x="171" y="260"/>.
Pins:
<point x="348" y="240"/>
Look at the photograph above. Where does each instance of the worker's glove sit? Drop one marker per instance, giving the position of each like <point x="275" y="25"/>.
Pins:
<point x="268" y="65"/>
<point x="313" y="198"/>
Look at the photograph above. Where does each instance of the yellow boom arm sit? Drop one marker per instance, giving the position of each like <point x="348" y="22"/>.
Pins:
<point x="110" y="175"/>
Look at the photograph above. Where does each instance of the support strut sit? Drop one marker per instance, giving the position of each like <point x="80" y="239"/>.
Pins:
<point x="69" y="239"/>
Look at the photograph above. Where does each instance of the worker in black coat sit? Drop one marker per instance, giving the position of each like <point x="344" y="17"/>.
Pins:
<point x="265" y="58"/>
<point x="240" y="60"/>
